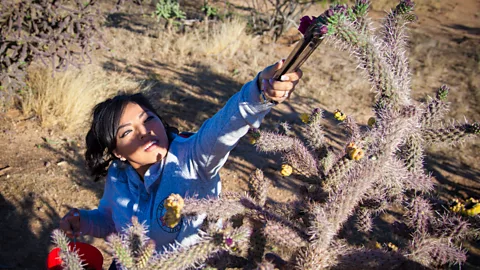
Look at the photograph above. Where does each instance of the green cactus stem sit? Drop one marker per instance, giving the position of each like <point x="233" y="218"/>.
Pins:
<point x="121" y="252"/>
<point x="452" y="134"/>
<point x="364" y="220"/>
<point x="395" y="40"/>
<point x="258" y="241"/>
<point x="371" y="259"/>
<point x="70" y="258"/>
<point x="284" y="236"/>
<point x="336" y="173"/>
<point x="214" y="208"/>
<point x="314" y="133"/>
<point x="210" y="244"/>
<point x="436" y="108"/>
<point x="411" y="153"/>
<point x="419" y="215"/>
<point x="258" y="187"/>
<point x="435" y="252"/>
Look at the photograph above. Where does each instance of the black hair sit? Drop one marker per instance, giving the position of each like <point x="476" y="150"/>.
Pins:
<point x="101" y="138"/>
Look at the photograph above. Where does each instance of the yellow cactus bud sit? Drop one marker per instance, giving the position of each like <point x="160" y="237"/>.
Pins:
<point x="354" y="152"/>
<point x="305" y="118"/>
<point x="286" y="170"/>
<point x="351" y="145"/>
<point x="475" y="210"/>
<point x="392" y="246"/>
<point x="371" y="121"/>
<point x="378" y="245"/>
<point x="472" y="207"/>
<point x="252" y="140"/>
<point x="339" y="115"/>
<point x="173" y="206"/>
<point x="456" y="206"/>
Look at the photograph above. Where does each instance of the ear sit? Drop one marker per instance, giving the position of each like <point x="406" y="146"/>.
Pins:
<point x="118" y="155"/>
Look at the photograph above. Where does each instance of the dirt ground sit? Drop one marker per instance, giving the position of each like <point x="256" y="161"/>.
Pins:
<point x="42" y="171"/>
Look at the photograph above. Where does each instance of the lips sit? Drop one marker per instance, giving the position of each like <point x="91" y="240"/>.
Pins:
<point x="151" y="145"/>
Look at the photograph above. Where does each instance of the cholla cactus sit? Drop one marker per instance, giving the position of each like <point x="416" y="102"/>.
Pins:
<point x="378" y="167"/>
<point x="133" y="249"/>
<point x="258" y="186"/>
<point x="70" y="258"/>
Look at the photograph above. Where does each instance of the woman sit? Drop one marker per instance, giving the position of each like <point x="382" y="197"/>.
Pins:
<point x="149" y="162"/>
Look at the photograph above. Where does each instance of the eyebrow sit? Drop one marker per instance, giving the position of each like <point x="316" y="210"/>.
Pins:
<point x="128" y="124"/>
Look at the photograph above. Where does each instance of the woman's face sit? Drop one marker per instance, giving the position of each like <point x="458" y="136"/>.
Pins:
<point x="141" y="138"/>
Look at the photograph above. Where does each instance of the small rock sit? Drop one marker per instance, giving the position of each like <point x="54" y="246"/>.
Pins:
<point x="62" y="163"/>
<point x="47" y="163"/>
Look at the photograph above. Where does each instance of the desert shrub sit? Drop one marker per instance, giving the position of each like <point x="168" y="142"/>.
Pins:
<point x="380" y="167"/>
<point x="275" y="16"/>
<point x="168" y="10"/>
<point x="57" y="33"/>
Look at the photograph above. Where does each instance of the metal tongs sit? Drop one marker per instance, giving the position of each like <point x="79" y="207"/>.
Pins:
<point x="312" y="37"/>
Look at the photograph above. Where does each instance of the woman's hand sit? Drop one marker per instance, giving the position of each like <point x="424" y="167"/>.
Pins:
<point x="280" y="90"/>
<point x="70" y="223"/>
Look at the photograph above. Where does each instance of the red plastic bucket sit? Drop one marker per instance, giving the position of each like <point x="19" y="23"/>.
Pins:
<point x="89" y="254"/>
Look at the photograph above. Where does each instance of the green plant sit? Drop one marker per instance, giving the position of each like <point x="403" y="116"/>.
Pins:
<point x="168" y="10"/>
<point x="209" y="11"/>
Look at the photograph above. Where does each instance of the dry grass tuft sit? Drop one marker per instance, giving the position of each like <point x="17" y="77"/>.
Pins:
<point x="222" y="41"/>
<point x="66" y="100"/>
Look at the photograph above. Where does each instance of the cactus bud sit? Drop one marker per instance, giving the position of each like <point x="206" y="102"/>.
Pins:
<point x="305" y="117"/>
<point x="339" y="115"/>
<point x="392" y="247"/>
<point x="286" y="170"/>
<point x="442" y="92"/>
<point x="404" y="7"/>
<point x="354" y="152"/>
<point x="173" y="205"/>
<point x="472" y="207"/>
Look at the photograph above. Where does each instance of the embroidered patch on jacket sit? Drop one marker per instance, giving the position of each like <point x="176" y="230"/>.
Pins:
<point x="160" y="214"/>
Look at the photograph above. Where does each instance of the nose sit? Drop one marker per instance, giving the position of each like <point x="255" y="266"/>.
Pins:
<point x="143" y="132"/>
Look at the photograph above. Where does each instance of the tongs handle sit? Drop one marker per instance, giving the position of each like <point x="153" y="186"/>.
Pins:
<point x="301" y="52"/>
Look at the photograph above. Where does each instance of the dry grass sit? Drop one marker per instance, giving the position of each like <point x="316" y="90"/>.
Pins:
<point x="65" y="100"/>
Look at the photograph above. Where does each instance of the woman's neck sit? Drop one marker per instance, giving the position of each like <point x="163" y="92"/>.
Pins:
<point x="142" y="170"/>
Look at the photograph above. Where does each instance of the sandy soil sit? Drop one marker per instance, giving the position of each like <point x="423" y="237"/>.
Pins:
<point x="42" y="173"/>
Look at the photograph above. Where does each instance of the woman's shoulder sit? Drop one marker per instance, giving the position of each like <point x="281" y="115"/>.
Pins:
<point x="117" y="171"/>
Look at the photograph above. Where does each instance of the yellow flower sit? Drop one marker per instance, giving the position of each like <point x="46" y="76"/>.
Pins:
<point x="305" y="118"/>
<point x="371" y="121"/>
<point x="252" y="140"/>
<point x="286" y="170"/>
<point x="173" y="206"/>
<point x="378" y="245"/>
<point x="339" y="115"/>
